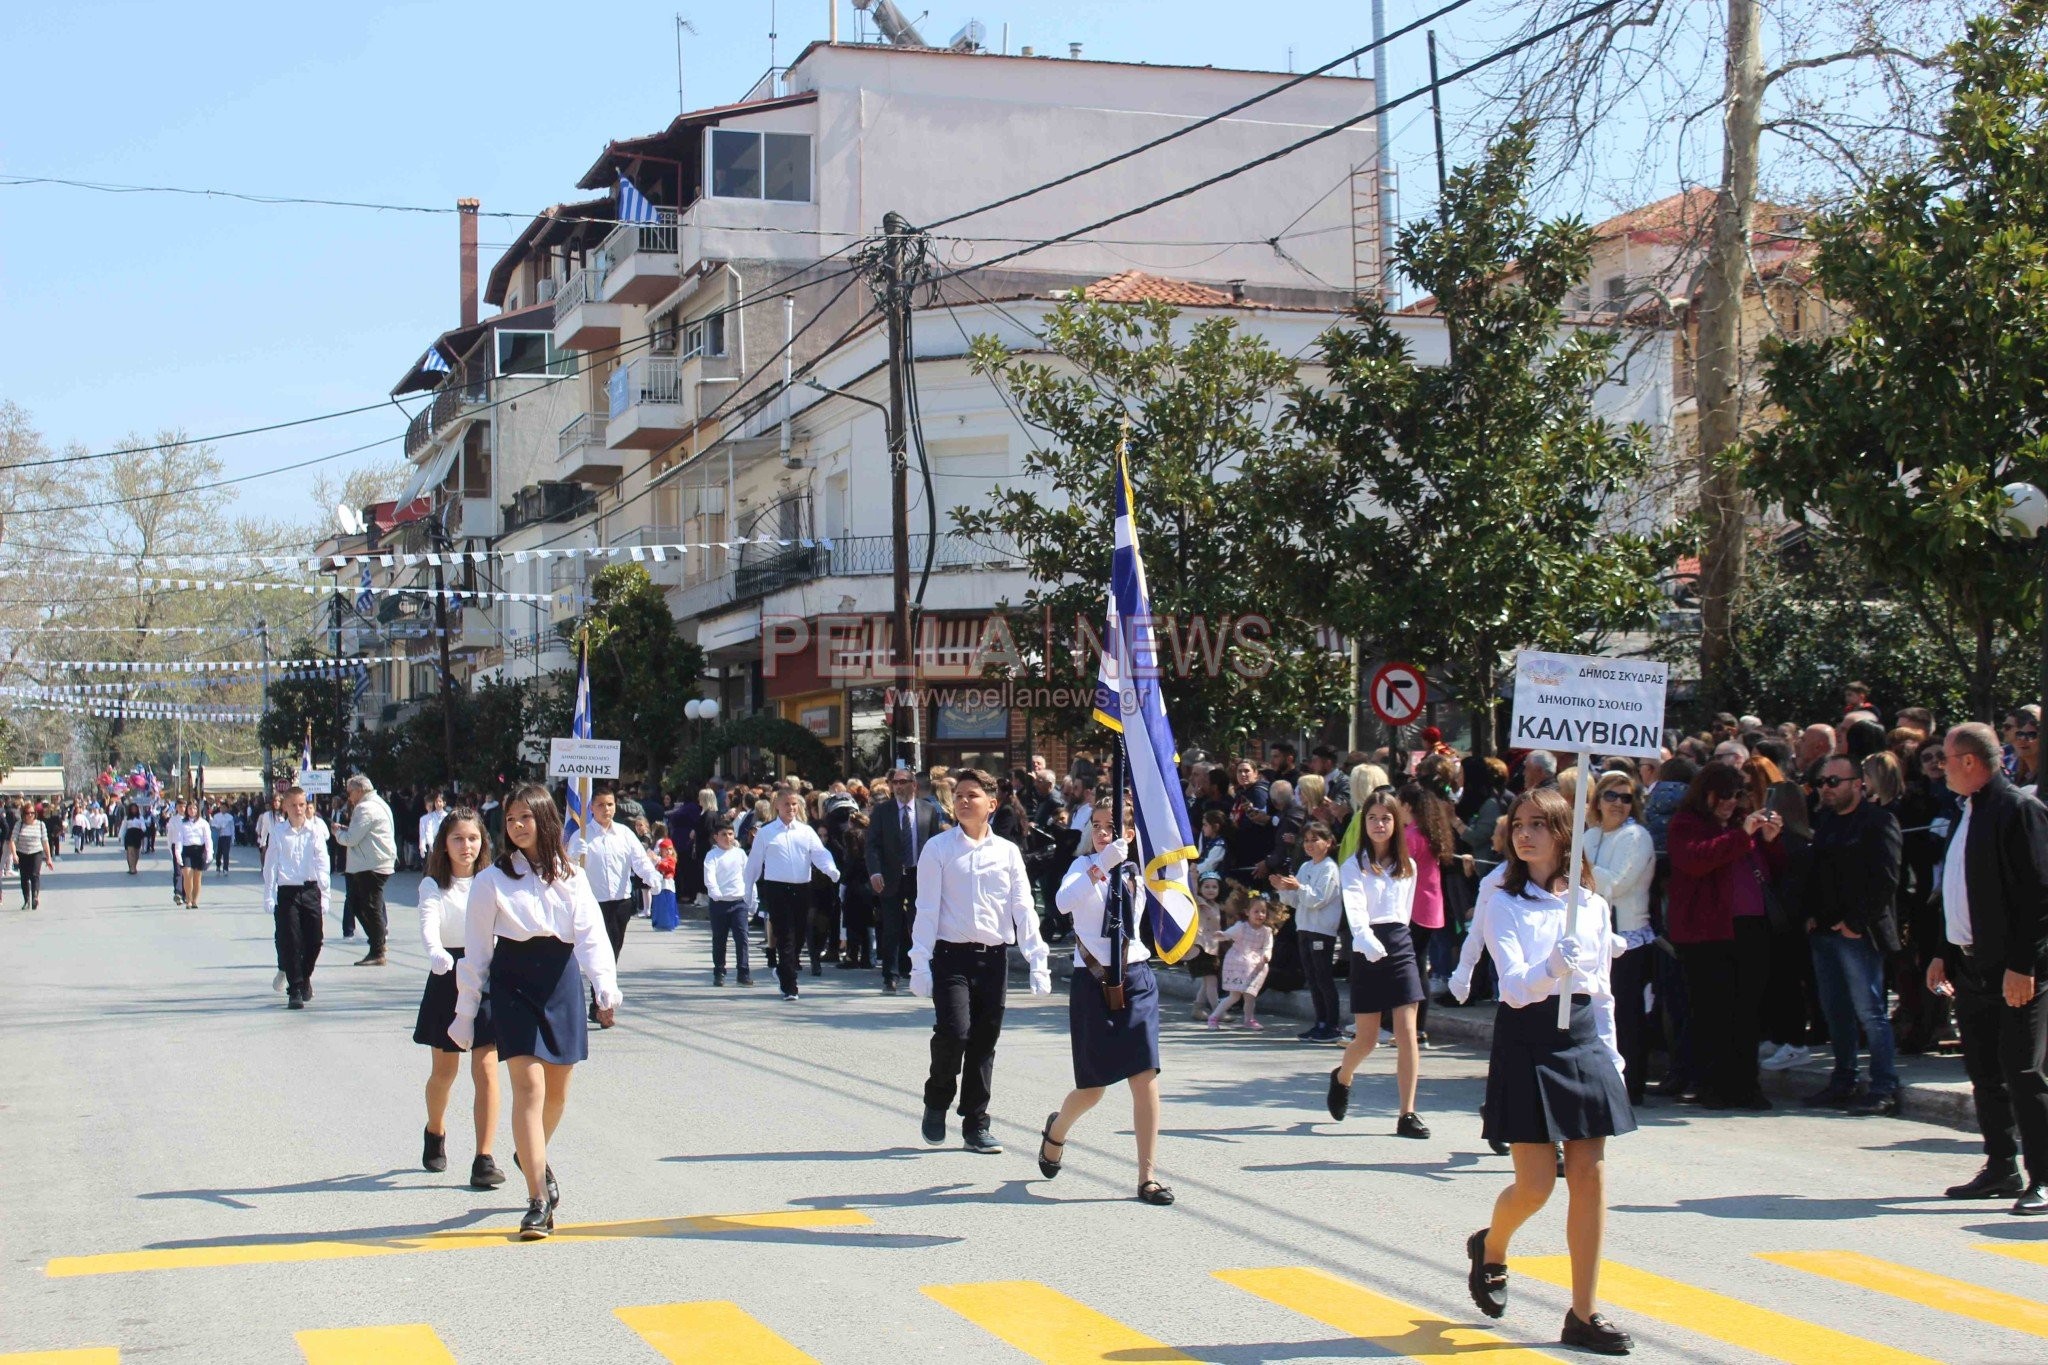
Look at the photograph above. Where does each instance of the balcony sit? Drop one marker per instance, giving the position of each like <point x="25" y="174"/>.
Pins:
<point x="580" y="451"/>
<point x="667" y="572"/>
<point x="648" y="410"/>
<point x="643" y="264"/>
<point x="583" y="320"/>
<point x="771" y="568"/>
<point x="468" y="388"/>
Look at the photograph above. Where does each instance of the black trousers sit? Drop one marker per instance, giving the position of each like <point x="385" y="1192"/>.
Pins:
<point x="365" y="902"/>
<point x="2003" y="1053"/>
<point x="1724" y="984"/>
<point x="1631" y="1024"/>
<point x="31" y="865"/>
<point x="789" y="919"/>
<point x="968" y="980"/>
<point x="220" y="853"/>
<point x="899" y="912"/>
<point x="616" y="916"/>
<point x="1318" y="966"/>
<point x="299" y="931"/>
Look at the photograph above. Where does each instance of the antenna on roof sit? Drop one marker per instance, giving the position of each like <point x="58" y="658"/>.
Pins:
<point x="771" y="40"/>
<point x="682" y="26"/>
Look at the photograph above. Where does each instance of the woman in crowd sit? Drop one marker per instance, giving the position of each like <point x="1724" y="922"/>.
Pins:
<point x="1112" y="1039"/>
<point x="192" y="845"/>
<point x="1624" y="861"/>
<point x="1723" y="856"/>
<point x="1546" y="1084"/>
<point x="1379" y="887"/>
<point x="1433" y="844"/>
<point x="457" y="852"/>
<point x="532" y="932"/>
<point x="1791" y="1009"/>
<point x="30" y="843"/>
<point x="134" y="830"/>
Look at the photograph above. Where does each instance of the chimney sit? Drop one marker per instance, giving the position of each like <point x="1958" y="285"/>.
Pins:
<point x="1074" y="51"/>
<point x="465" y="213"/>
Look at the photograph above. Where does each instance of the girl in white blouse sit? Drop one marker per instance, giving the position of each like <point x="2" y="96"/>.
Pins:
<point x="1378" y="885"/>
<point x="454" y="854"/>
<point x="533" y="931"/>
<point x="1624" y="859"/>
<point x="1550" y="1077"/>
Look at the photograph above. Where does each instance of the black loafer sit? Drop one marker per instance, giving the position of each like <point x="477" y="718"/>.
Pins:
<point x="1993" y="1182"/>
<point x="538" y="1222"/>
<point x="934" y="1125"/>
<point x="1411" y="1126"/>
<point x="295" y="1001"/>
<point x="547" y="1176"/>
<point x="1339" y="1098"/>
<point x="2034" y="1202"/>
<point x="1152" y="1192"/>
<point x="484" y="1174"/>
<point x="1598" y="1336"/>
<point x="1488" y="1280"/>
<point x="1049" y="1169"/>
<point x="435" y="1156"/>
<point x="979" y="1140"/>
<point x="1877" y="1106"/>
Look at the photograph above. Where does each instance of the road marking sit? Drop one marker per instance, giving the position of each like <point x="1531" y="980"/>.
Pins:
<point x="85" y="1355"/>
<point x="2035" y="1252"/>
<point x="710" y="1333"/>
<point x="1047" y="1325"/>
<point x="1357" y="1311"/>
<point x="413" y="1344"/>
<point x="271" y="1253"/>
<point x="1773" y="1336"/>
<point x="1921" y="1287"/>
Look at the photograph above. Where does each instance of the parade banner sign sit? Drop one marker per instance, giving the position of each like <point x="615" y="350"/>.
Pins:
<point x="1586" y="704"/>
<point x="316" y="781"/>
<point x="583" y="758"/>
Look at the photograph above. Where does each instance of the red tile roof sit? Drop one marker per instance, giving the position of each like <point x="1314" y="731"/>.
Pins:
<point x="1135" y="286"/>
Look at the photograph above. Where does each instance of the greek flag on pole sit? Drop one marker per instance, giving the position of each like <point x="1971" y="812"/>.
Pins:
<point x="633" y="205"/>
<point x="577" y="799"/>
<point x="366" y="601"/>
<point x="432" y="361"/>
<point x="1127" y="699"/>
<point x="306" y="752"/>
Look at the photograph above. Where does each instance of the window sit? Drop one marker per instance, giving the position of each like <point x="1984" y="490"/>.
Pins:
<point x="705" y="336"/>
<point x="529" y="353"/>
<point x="1617" y="291"/>
<point x="761" y="165"/>
<point x="661" y="334"/>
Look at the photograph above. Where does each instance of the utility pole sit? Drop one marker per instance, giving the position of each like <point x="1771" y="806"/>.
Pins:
<point x="896" y="303"/>
<point x="263" y="643"/>
<point x="340" y="694"/>
<point x="441" y="543"/>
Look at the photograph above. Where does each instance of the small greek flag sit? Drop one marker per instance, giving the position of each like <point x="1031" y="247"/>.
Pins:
<point x="432" y="362"/>
<point x="366" y="600"/>
<point x="577" y="802"/>
<point x="633" y="205"/>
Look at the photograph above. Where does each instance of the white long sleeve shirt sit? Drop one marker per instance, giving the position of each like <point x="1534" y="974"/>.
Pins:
<point x="524" y="907"/>
<point x="430" y="825"/>
<point x="1475" y="936"/>
<point x="969" y="892"/>
<point x="193" y="833"/>
<point x="1374" y="895"/>
<point x="725" y="874"/>
<point x="612" y="856"/>
<point x="1087" y="900"/>
<point x="223" y="828"/>
<point x="444" y="913"/>
<point x="787" y="853"/>
<point x="1319" y="901"/>
<point x="1520" y="932"/>
<point x="294" y="857"/>
<point x="1623" y="862"/>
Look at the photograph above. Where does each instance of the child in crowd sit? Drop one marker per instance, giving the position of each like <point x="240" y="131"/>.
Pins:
<point x="1249" y="925"/>
<point x="1211" y="860"/>
<point x="1203" y="965"/>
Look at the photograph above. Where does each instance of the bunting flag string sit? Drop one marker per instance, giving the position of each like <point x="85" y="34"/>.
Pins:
<point x="454" y="595"/>
<point x="314" y="665"/>
<point x="133" y="710"/>
<point x="235" y="680"/>
<point x="322" y="564"/>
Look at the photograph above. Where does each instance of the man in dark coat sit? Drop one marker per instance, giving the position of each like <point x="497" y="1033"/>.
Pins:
<point x="897" y="832"/>
<point x="1851" y="890"/>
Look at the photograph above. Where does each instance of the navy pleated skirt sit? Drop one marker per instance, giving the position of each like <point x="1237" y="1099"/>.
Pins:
<point x="1547" y="1084"/>
<point x="1395" y="980"/>
<point x="1113" y="1046"/>
<point x="537" y="1004"/>
<point x="437" y="1012"/>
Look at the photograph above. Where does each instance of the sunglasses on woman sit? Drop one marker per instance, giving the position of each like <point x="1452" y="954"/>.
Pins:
<point x="1619" y="798"/>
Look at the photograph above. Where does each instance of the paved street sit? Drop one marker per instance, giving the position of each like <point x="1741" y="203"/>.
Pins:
<point x="191" y="1174"/>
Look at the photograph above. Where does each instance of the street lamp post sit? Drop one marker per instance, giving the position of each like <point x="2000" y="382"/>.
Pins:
<point x="703" y="710"/>
<point x="2026" y="519"/>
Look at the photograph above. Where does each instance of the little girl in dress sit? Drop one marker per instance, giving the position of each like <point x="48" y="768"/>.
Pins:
<point x="1202" y="963"/>
<point x="1250" y="936"/>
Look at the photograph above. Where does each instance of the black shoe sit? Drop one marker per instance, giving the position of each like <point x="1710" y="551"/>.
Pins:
<point x="1598" y="1336"/>
<point x="538" y="1222"/>
<point x="976" y="1138"/>
<point x="934" y="1125"/>
<point x="888" y="985"/>
<point x="435" y="1157"/>
<point x="846" y="964"/>
<point x="593" y="1011"/>
<point x="718" y="978"/>
<point x="746" y="978"/>
<point x="1488" y="1280"/>
<point x="1046" y="1168"/>
<point x="484" y="1174"/>
<point x="817" y="969"/>
<point x="375" y="959"/>
<point x="547" y="1176"/>
<point x="1880" y="1106"/>
<point x="1754" y="1102"/>
<point x="1830" y="1097"/>
<point x="1995" y="1181"/>
<point x="306" y="991"/>
<point x="1152" y="1192"/>
<point x="1499" y="1148"/>
<point x="1411" y="1126"/>
<point x="294" y="1001"/>
<point x="1339" y="1098"/>
<point x="1557" y="1150"/>
<point x="2034" y="1202"/>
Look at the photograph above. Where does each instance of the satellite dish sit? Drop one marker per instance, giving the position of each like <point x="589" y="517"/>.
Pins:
<point x="349" y="519"/>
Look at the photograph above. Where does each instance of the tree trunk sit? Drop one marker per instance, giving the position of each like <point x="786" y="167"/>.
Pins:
<point x="1484" y="685"/>
<point x="1984" y="678"/>
<point x="1718" y="361"/>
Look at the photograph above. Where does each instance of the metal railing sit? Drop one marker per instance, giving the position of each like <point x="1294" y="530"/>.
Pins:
<point x="585" y="429"/>
<point x="585" y="286"/>
<point x="648" y="380"/>
<point x="771" y="568"/>
<point x="628" y="239"/>
<point x="468" y="387"/>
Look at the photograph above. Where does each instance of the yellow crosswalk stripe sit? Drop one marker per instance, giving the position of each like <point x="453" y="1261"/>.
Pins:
<point x="1047" y="1325"/>
<point x="1357" y="1311"/>
<point x="1773" y="1336"/>
<point x="2035" y="1252"/>
<point x="413" y="1344"/>
<point x="462" y="1239"/>
<point x="1921" y="1287"/>
<point x="85" y="1355"/>
<point x="710" y="1333"/>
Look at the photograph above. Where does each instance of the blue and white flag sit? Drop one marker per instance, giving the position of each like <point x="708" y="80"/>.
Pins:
<point x="634" y="206"/>
<point x="576" y="802"/>
<point x="432" y="361"/>
<point x="1128" y="700"/>
<point x="306" y="751"/>
<point x="366" y="600"/>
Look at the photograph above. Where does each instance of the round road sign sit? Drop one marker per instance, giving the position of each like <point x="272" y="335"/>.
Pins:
<point x="1398" y="692"/>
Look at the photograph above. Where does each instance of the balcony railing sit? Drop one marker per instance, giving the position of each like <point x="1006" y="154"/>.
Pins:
<point x="771" y="568"/>
<point x="468" y="387"/>
<point x="586" y="429"/>
<point x="628" y="238"/>
<point x="582" y="287"/>
<point x="651" y="380"/>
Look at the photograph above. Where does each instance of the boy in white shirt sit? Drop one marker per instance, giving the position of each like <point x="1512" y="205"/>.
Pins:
<point x="725" y="885"/>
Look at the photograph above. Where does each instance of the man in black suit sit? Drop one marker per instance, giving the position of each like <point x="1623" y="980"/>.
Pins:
<point x="897" y="833"/>
<point x="1994" y="888"/>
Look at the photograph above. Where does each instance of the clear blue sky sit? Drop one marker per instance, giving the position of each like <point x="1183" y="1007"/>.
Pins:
<point x="134" y="313"/>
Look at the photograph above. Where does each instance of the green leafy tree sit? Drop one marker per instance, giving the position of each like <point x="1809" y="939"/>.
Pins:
<point x="1457" y="512"/>
<point x="1899" y="431"/>
<point x="1198" y="405"/>
<point x="642" y="672"/>
<point x="293" y="702"/>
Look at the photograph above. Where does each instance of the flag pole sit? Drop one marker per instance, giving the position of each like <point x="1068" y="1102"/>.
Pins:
<point x="1118" y="910"/>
